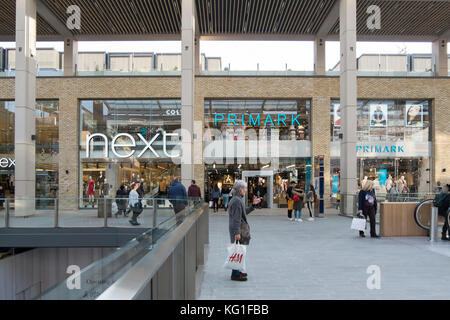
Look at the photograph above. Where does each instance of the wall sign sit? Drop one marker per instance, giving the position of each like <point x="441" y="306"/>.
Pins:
<point x="7" y="163"/>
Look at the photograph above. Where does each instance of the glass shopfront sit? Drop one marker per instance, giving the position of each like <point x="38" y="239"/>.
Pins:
<point x="47" y="148"/>
<point x="394" y="139"/>
<point x="122" y="141"/>
<point x="244" y="137"/>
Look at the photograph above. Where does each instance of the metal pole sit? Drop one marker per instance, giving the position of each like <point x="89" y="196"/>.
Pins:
<point x="56" y="222"/>
<point x="7" y="213"/>
<point x="105" y="215"/>
<point x="434" y="224"/>
<point x="155" y="204"/>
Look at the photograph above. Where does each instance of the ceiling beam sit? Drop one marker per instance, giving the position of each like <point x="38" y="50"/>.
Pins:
<point x="444" y="35"/>
<point x="53" y="21"/>
<point x="329" y="21"/>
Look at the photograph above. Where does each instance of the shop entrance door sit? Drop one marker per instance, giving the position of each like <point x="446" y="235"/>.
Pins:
<point x="261" y="174"/>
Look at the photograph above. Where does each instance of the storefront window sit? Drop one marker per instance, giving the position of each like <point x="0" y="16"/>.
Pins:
<point x="394" y="140"/>
<point x="47" y="148"/>
<point x="138" y="127"/>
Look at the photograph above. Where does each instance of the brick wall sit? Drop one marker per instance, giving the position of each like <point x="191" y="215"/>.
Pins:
<point x="319" y="89"/>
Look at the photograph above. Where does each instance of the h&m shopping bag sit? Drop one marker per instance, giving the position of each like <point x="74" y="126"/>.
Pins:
<point x="358" y="223"/>
<point x="236" y="257"/>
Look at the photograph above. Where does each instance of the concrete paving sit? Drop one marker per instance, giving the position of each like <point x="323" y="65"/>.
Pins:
<point x="324" y="259"/>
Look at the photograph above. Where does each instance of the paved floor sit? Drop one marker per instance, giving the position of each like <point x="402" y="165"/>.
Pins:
<point x="324" y="259"/>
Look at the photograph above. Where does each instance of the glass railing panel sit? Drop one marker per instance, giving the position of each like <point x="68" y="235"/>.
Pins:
<point x="2" y="212"/>
<point x="98" y="276"/>
<point x="25" y="213"/>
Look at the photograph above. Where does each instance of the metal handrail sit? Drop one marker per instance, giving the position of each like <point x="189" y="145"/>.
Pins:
<point x="416" y="213"/>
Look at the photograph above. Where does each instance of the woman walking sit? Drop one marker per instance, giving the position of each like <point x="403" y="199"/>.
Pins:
<point x="238" y="226"/>
<point x="215" y="195"/>
<point x="367" y="205"/>
<point x="299" y="202"/>
<point x="225" y="196"/>
<point x="311" y="199"/>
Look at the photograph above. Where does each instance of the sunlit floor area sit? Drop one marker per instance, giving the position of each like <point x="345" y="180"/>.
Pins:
<point x="324" y="259"/>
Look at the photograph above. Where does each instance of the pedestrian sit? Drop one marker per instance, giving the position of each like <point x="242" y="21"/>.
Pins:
<point x="177" y="196"/>
<point x="260" y="192"/>
<point x="225" y="196"/>
<point x="290" y="200"/>
<point x="438" y="188"/>
<point x="215" y="195"/>
<point x="2" y="196"/>
<point x="443" y="207"/>
<point x="367" y="205"/>
<point x="299" y="202"/>
<point x="238" y="225"/>
<point x="135" y="203"/>
<point x="194" y="192"/>
<point x="121" y="200"/>
<point x="311" y="198"/>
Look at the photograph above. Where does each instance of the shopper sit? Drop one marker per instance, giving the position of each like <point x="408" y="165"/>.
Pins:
<point x="438" y="188"/>
<point x="225" y="196"/>
<point x="367" y="205"/>
<point x="2" y="196"/>
<point x="299" y="202"/>
<point x="311" y="198"/>
<point x="215" y="195"/>
<point x="260" y="192"/>
<point x="290" y="199"/>
<point x="238" y="225"/>
<point x="135" y="203"/>
<point x="121" y="200"/>
<point x="177" y="196"/>
<point x="444" y="205"/>
<point x="194" y="192"/>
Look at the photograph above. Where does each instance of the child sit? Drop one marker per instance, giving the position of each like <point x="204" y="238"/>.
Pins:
<point x="299" y="200"/>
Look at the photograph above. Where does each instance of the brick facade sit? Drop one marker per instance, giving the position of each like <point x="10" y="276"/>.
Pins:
<point x="68" y="90"/>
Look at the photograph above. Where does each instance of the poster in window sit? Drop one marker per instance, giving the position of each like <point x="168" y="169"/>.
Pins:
<point x="414" y="115"/>
<point x="378" y="115"/>
<point x="337" y="114"/>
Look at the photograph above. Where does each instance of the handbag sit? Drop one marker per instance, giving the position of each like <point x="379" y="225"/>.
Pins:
<point x="236" y="257"/>
<point x="296" y="198"/>
<point x="245" y="233"/>
<point x="358" y="223"/>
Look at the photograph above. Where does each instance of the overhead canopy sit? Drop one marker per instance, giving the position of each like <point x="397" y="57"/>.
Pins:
<point x="402" y="20"/>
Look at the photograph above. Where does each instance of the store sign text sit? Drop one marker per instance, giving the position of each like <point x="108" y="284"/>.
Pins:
<point x="7" y="163"/>
<point x="255" y="120"/>
<point x="115" y="144"/>
<point x="380" y="149"/>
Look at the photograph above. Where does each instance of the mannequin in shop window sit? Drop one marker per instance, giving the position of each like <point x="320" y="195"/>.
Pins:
<point x="91" y="191"/>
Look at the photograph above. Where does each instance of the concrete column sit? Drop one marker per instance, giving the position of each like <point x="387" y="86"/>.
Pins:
<point x="440" y="58"/>
<point x="197" y="56"/>
<point x="25" y="99"/>
<point x="348" y="91"/>
<point x="187" y="88"/>
<point x="319" y="56"/>
<point x="70" y="57"/>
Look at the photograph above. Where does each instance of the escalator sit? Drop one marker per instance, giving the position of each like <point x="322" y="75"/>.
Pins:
<point x="422" y="215"/>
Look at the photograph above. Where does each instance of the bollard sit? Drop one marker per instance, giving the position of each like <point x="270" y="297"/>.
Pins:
<point x="7" y="213"/>
<point x="55" y="220"/>
<point x="155" y="205"/>
<point x="434" y="224"/>
<point x="105" y="215"/>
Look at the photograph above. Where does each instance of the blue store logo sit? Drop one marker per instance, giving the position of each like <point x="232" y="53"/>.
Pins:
<point x="380" y="149"/>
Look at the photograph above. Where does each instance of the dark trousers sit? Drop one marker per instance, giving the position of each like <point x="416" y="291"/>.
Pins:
<point x="371" y="213"/>
<point x="289" y="214"/>
<point x="215" y="204"/>
<point x="309" y="204"/>
<point x="445" y="228"/>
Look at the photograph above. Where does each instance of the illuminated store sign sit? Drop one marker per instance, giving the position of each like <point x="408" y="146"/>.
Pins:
<point x="255" y="119"/>
<point x="380" y="148"/>
<point x="7" y="163"/>
<point x="120" y="141"/>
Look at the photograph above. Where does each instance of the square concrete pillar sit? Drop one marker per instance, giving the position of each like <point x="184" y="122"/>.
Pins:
<point x="319" y="56"/>
<point x="440" y="58"/>
<point x="188" y="65"/>
<point x="348" y="92"/>
<point x="25" y="99"/>
<point x="70" y="57"/>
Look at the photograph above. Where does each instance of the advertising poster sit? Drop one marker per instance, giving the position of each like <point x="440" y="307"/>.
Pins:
<point x="382" y="176"/>
<point x="337" y="114"/>
<point x="378" y="115"/>
<point x="414" y="115"/>
<point x="335" y="186"/>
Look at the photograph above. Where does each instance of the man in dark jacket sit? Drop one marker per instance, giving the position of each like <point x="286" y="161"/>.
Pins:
<point x="194" y="191"/>
<point x="177" y="196"/>
<point x="121" y="200"/>
<point x="2" y="195"/>
<point x="443" y="211"/>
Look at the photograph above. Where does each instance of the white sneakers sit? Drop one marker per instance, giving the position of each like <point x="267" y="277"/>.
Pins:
<point x="291" y="219"/>
<point x="299" y="220"/>
<point x="310" y="219"/>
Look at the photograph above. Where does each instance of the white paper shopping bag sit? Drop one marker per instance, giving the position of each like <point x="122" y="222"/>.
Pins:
<point x="358" y="224"/>
<point x="236" y="257"/>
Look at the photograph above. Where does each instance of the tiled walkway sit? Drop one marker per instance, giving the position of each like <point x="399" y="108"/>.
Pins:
<point x="324" y="259"/>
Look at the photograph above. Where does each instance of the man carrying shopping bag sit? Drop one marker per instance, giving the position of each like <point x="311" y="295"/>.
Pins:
<point x="238" y="226"/>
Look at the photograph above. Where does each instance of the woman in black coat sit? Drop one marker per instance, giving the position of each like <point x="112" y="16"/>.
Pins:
<point x="367" y="205"/>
